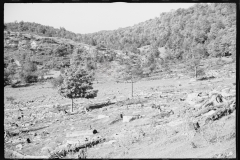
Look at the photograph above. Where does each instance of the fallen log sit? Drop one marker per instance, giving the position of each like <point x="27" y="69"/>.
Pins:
<point x="219" y="114"/>
<point x="25" y="130"/>
<point x="204" y="110"/>
<point x="19" y="155"/>
<point x="97" y="105"/>
<point x="215" y="102"/>
<point x="60" y="153"/>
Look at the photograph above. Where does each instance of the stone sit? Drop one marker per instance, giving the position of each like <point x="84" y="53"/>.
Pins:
<point x="95" y="131"/>
<point x="225" y="90"/>
<point x="110" y="142"/>
<point x="192" y="80"/>
<point x="128" y="118"/>
<point x="19" y="147"/>
<point x="74" y="141"/>
<point x="102" y="116"/>
<point x="191" y="98"/>
<point x="79" y="133"/>
<point x="230" y="153"/>
<point x="46" y="150"/>
<point x="28" y="140"/>
<point x="209" y="113"/>
<point x="61" y="147"/>
<point x="52" y="145"/>
<point x="18" y="140"/>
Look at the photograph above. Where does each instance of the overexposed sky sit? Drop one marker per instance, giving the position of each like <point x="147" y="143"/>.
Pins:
<point x="87" y="17"/>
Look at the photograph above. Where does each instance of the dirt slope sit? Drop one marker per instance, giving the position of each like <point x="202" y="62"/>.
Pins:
<point x="150" y="135"/>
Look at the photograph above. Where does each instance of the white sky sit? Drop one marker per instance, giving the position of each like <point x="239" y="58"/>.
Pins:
<point x="87" y="17"/>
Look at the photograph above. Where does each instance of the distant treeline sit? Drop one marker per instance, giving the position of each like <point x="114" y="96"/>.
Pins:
<point x="209" y="28"/>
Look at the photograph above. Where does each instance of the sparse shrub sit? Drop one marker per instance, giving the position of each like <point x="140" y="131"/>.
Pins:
<point x="82" y="153"/>
<point x="11" y="99"/>
<point x="62" y="70"/>
<point x="6" y="77"/>
<point x="200" y="72"/>
<point x="9" y="73"/>
<point x="29" y="72"/>
<point x="57" y="81"/>
<point x="28" y="77"/>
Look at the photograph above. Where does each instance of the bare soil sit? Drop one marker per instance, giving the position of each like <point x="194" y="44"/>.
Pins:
<point x="148" y="136"/>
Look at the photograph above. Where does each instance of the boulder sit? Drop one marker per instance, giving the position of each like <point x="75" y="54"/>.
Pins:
<point x="110" y="142"/>
<point x="211" y="112"/>
<point x="79" y="133"/>
<point x="128" y="118"/>
<point x="192" y="80"/>
<point x="191" y="98"/>
<point x="131" y="118"/>
<point x="227" y="59"/>
<point x="102" y="116"/>
<point x="226" y="90"/>
<point x="45" y="150"/>
<point x="19" y="147"/>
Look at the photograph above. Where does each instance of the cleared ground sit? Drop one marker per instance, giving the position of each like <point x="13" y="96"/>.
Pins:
<point x="150" y="135"/>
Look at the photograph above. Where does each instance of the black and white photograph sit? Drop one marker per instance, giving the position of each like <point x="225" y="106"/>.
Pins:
<point x="120" y="80"/>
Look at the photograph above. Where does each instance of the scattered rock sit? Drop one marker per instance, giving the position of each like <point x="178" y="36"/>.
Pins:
<point x="27" y="125"/>
<point x="196" y="126"/>
<point x="182" y="99"/>
<point x="17" y="140"/>
<point x="230" y="154"/>
<point x="37" y="138"/>
<point x="95" y="131"/>
<point x="226" y="90"/>
<point x="121" y="115"/>
<point x="110" y="142"/>
<point x="46" y="150"/>
<point x="28" y="140"/>
<point x="193" y="145"/>
<point x="79" y="133"/>
<point x="19" y="147"/>
<point x="128" y="118"/>
<point x="211" y="112"/>
<point x="192" y="80"/>
<point x="44" y="133"/>
<point x="102" y="116"/>
<point x="191" y="98"/>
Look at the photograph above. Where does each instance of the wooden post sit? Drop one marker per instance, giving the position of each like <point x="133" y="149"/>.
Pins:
<point x="72" y="104"/>
<point x="196" y="72"/>
<point x="132" y="86"/>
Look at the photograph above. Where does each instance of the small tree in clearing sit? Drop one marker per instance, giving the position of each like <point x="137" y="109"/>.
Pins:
<point x="77" y="83"/>
<point x="133" y="70"/>
<point x="194" y="63"/>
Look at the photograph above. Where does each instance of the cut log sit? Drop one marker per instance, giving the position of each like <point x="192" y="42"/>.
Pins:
<point x="18" y="155"/>
<point x="98" y="105"/>
<point x="74" y="148"/>
<point x="215" y="102"/>
<point x="25" y="130"/>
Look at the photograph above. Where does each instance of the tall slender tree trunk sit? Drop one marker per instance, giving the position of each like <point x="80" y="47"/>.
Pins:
<point x="72" y="104"/>
<point x="132" y="86"/>
<point x="196" y="72"/>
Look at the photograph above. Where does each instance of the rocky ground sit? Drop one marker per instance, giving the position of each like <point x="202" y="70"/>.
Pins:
<point x="197" y="120"/>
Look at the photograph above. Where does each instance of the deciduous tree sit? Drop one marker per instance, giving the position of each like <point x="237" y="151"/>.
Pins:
<point x="77" y="83"/>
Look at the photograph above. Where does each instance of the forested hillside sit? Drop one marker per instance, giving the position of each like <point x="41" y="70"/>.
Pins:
<point x="182" y="36"/>
<point x="210" y="28"/>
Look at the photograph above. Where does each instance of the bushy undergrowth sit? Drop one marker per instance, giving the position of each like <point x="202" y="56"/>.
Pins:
<point x="57" y="81"/>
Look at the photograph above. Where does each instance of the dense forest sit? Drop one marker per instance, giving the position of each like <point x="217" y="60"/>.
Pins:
<point x="208" y="28"/>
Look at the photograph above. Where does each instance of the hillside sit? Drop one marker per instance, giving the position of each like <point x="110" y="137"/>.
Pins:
<point x="211" y="27"/>
<point x="54" y="52"/>
<point x="48" y="129"/>
<point x="164" y="88"/>
<point x="208" y="27"/>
